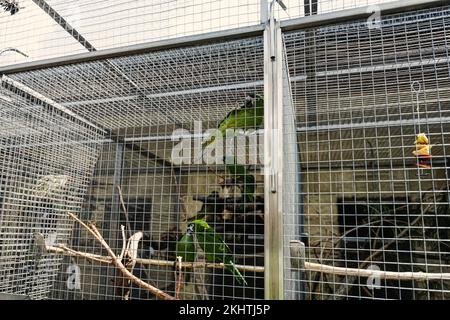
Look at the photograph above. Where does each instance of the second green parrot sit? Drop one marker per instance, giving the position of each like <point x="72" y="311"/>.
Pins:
<point x="186" y="246"/>
<point x="214" y="248"/>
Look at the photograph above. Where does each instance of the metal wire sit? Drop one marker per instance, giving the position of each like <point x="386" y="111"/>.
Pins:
<point x="302" y="8"/>
<point x="46" y="160"/>
<point x="176" y="89"/>
<point x="114" y="23"/>
<point x="366" y="204"/>
<point x="97" y="139"/>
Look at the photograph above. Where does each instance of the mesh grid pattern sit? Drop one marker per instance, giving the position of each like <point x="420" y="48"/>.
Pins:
<point x="363" y="96"/>
<point x="141" y="100"/>
<point x="47" y="160"/>
<point x="105" y="24"/>
<point x="100" y="139"/>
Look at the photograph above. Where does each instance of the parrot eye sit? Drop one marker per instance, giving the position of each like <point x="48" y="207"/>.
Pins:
<point x="190" y="228"/>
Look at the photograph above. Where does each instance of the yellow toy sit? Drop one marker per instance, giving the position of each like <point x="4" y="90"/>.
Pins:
<point x="423" y="151"/>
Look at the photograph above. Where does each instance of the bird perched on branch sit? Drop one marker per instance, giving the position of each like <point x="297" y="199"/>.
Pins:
<point x="248" y="115"/>
<point x="39" y="223"/>
<point x="186" y="246"/>
<point x="214" y="248"/>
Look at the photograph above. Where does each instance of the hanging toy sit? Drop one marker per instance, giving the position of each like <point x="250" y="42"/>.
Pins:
<point x="423" y="151"/>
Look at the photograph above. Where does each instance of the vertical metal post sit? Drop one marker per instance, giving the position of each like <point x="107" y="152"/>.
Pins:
<point x="273" y="222"/>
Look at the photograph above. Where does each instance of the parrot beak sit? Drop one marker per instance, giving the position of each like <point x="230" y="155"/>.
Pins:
<point x="249" y="100"/>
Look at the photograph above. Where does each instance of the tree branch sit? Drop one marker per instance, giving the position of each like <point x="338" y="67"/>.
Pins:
<point x="116" y="261"/>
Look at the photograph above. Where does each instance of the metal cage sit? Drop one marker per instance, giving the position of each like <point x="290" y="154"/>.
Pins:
<point x="331" y="181"/>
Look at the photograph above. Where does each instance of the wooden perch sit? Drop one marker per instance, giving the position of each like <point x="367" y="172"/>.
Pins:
<point x="131" y="253"/>
<point x="61" y="249"/>
<point x="124" y="208"/>
<point x="178" y="276"/>
<point x="388" y="275"/>
<point x="118" y="263"/>
<point x="309" y="266"/>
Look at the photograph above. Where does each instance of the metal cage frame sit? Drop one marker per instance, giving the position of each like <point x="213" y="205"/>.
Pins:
<point x="275" y="80"/>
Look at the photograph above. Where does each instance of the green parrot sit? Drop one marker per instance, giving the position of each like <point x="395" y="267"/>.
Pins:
<point x="186" y="246"/>
<point x="215" y="249"/>
<point x="249" y="115"/>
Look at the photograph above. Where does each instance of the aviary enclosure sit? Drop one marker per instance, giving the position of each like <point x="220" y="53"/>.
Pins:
<point x="326" y="179"/>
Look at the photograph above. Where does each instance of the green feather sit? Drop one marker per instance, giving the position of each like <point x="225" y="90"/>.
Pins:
<point x="215" y="249"/>
<point x="186" y="248"/>
<point x="242" y="118"/>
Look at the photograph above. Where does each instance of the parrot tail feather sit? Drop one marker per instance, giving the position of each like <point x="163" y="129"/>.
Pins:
<point x="237" y="275"/>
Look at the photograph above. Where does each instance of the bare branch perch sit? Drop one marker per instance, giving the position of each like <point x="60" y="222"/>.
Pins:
<point x="317" y="267"/>
<point x="116" y="261"/>
<point x="124" y="208"/>
<point x="388" y="275"/>
<point x="178" y="277"/>
<point x="152" y="262"/>
<point x="309" y="266"/>
<point x="124" y="242"/>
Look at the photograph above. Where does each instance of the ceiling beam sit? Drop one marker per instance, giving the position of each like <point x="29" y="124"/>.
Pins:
<point x="64" y="24"/>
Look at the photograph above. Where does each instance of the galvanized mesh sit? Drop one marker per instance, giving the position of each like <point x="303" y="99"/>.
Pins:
<point x="118" y="142"/>
<point x="148" y="103"/>
<point x="302" y="8"/>
<point x="52" y="28"/>
<point x="47" y="160"/>
<point x="362" y="96"/>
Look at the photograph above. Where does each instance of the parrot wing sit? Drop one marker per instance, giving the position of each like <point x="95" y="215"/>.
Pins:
<point x="240" y="118"/>
<point x="186" y="248"/>
<point x="216" y="250"/>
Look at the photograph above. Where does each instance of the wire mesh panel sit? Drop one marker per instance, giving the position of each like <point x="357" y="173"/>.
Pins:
<point x="47" y="159"/>
<point x="40" y="29"/>
<point x="151" y="176"/>
<point x="302" y="8"/>
<point x="372" y="111"/>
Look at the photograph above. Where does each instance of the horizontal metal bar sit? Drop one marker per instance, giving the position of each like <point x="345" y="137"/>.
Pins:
<point x="182" y="171"/>
<point x="173" y="93"/>
<point x="127" y="141"/>
<point x="64" y="24"/>
<point x="207" y="89"/>
<point x="371" y="166"/>
<point x="385" y="67"/>
<point x="48" y="101"/>
<point x="378" y="124"/>
<point x="358" y="13"/>
<point x="243" y="32"/>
